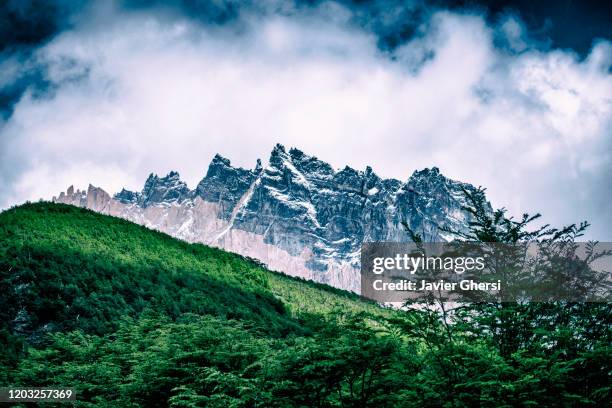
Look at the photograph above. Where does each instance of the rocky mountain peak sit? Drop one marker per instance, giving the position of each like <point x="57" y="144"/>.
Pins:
<point x="313" y="169"/>
<point x="224" y="184"/>
<point x="167" y="189"/>
<point x="219" y="160"/>
<point x="127" y="196"/>
<point x="258" y="166"/>
<point x="279" y="157"/>
<point x="278" y="149"/>
<point x="297" y="213"/>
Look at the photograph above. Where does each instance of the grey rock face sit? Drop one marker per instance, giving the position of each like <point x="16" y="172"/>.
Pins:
<point x="168" y="189"/>
<point x="225" y="185"/>
<point x="300" y="201"/>
<point x="127" y="196"/>
<point x="298" y="205"/>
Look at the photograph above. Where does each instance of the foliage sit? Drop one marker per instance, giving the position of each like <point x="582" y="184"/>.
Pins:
<point x="133" y="317"/>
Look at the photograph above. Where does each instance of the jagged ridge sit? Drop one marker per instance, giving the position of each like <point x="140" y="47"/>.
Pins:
<point x="297" y="214"/>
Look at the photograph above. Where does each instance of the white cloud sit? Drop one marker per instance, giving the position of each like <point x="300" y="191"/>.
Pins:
<point x="533" y="127"/>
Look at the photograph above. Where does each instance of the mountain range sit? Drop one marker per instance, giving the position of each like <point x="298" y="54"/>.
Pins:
<point x="297" y="214"/>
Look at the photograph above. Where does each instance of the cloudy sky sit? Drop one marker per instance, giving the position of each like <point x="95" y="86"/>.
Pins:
<point x="512" y="96"/>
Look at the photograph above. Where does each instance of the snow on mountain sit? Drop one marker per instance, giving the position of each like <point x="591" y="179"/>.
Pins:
<point x="297" y="214"/>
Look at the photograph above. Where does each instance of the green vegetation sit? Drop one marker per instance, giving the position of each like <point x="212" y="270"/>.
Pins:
<point x="133" y="317"/>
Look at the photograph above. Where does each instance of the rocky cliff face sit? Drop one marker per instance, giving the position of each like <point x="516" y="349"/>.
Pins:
<point x="297" y="215"/>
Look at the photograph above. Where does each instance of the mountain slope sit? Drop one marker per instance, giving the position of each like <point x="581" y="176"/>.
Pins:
<point x="127" y="314"/>
<point x="66" y="267"/>
<point x="297" y="214"/>
<point x="131" y="317"/>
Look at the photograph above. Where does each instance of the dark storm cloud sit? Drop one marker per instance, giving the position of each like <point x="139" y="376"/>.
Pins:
<point x="563" y="23"/>
<point x="568" y="24"/>
<point x="552" y="23"/>
<point x="28" y="24"/>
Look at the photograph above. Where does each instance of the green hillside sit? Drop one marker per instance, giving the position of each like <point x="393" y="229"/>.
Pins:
<point x="133" y="317"/>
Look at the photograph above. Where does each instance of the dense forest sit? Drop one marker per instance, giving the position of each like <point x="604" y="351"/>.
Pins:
<point x="131" y="317"/>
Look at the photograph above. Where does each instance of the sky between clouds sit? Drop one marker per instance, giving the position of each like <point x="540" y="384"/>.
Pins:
<point x="129" y="92"/>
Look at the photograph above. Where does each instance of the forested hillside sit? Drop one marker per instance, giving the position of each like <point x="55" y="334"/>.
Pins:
<point x="133" y="317"/>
